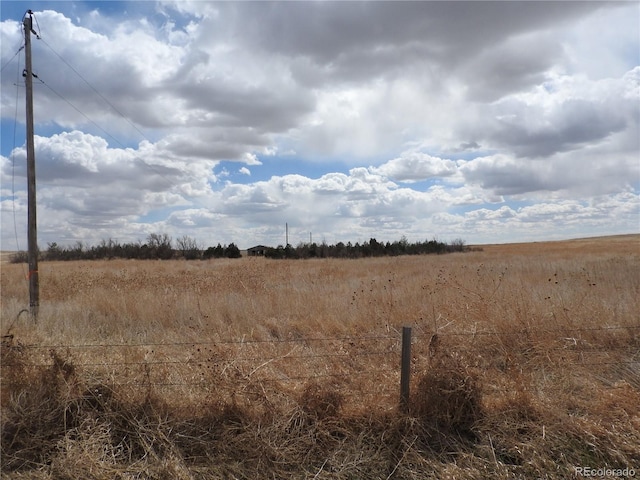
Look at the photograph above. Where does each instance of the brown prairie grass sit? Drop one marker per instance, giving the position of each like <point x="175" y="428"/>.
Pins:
<point x="525" y="364"/>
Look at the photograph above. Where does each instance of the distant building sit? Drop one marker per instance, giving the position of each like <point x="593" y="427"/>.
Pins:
<point x="257" y="251"/>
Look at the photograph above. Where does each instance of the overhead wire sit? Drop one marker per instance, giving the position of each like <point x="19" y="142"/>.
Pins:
<point x="13" y="164"/>
<point x="11" y="59"/>
<point x="121" y="144"/>
<point x="59" y="95"/>
<point x="95" y="90"/>
<point x="113" y="107"/>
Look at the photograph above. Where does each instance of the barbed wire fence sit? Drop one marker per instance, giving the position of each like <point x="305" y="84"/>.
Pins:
<point x="362" y="368"/>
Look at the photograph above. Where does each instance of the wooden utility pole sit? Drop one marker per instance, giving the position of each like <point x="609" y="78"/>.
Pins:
<point x="32" y="238"/>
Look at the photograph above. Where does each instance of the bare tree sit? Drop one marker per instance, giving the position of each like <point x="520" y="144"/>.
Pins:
<point x="160" y="245"/>
<point x="188" y="247"/>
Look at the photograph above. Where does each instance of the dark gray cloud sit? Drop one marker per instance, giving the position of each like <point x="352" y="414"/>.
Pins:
<point x="567" y="133"/>
<point x="588" y="174"/>
<point x="574" y="119"/>
<point x="326" y="30"/>
<point x="359" y="40"/>
<point x="512" y="66"/>
<point x="264" y="108"/>
<point x="508" y="176"/>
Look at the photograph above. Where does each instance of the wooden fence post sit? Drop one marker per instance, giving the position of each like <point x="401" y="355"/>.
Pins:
<point x="405" y="370"/>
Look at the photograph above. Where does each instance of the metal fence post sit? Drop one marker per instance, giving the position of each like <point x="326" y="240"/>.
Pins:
<point x="405" y="369"/>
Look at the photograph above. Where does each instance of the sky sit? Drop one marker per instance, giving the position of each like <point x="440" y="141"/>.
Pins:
<point x="489" y="122"/>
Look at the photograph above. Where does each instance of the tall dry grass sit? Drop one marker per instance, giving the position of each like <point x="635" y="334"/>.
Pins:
<point x="525" y="363"/>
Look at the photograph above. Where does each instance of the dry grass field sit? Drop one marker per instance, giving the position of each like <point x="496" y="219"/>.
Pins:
<point x="525" y="364"/>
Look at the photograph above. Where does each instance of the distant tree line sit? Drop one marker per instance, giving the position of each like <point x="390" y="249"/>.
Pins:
<point x="372" y="248"/>
<point x="158" y="246"/>
<point x="162" y="247"/>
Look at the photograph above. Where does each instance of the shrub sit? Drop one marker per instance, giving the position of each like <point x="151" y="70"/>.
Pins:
<point x="448" y="397"/>
<point x="232" y="251"/>
<point x="20" y="257"/>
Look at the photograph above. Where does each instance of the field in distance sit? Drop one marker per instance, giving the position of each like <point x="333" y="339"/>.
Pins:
<point x="621" y="244"/>
<point x="5" y="256"/>
<point x="525" y="362"/>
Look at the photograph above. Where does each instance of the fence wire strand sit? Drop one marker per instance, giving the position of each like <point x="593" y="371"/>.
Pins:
<point x="572" y="353"/>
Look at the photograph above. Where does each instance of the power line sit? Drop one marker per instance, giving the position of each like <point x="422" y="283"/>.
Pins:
<point x="81" y="112"/>
<point x="13" y="158"/>
<point x="11" y="59"/>
<point x="62" y="97"/>
<point x="157" y="171"/>
<point x="113" y="107"/>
